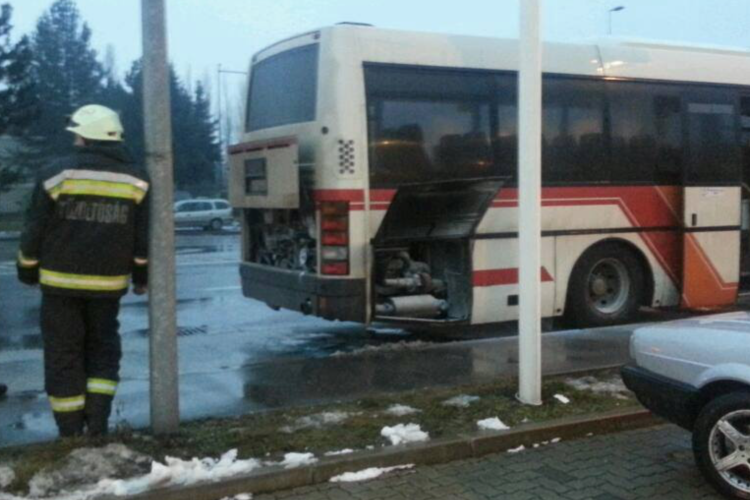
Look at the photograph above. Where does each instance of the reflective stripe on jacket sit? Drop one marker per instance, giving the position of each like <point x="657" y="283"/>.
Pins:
<point x="86" y="230"/>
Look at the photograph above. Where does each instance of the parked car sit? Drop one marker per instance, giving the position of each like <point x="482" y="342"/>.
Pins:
<point x="696" y="373"/>
<point x="205" y="213"/>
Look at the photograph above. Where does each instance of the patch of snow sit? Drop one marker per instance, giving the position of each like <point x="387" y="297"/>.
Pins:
<point x="367" y="474"/>
<point x="517" y="450"/>
<point x="536" y="445"/>
<point x="317" y="421"/>
<point x="86" y="466"/>
<point x="389" y="347"/>
<point x="461" y="401"/>
<point x="345" y="451"/>
<point x="370" y="447"/>
<point x="556" y="440"/>
<point x="7" y="476"/>
<point x="401" y="410"/>
<point x="562" y="399"/>
<point x="409" y="433"/>
<point x="613" y="386"/>
<point x="294" y="460"/>
<point x="492" y="424"/>
<point x="174" y="472"/>
<point x="241" y="496"/>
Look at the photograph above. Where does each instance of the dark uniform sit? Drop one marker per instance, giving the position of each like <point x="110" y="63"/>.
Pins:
<point x="86" y="233"/>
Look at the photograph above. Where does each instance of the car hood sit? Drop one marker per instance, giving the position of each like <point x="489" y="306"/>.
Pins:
<point x="684" y="349"/>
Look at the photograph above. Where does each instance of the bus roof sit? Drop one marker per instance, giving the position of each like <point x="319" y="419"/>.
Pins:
<point x="605" y="57"/>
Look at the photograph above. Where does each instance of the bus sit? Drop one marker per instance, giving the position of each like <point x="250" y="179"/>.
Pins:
<point x="376" y="177"/>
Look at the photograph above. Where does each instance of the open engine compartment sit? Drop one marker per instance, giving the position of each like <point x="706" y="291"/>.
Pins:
<point x="423" y="268"/>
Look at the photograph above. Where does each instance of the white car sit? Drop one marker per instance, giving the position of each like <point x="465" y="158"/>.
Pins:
<point x="205" y="213"/>
<point x="696" y="373"/>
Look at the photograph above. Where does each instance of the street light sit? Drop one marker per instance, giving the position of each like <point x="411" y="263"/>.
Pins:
<point x="614" y="9"/>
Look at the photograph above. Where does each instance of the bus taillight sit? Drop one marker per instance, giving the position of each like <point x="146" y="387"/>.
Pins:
<point x="334" y="238"/>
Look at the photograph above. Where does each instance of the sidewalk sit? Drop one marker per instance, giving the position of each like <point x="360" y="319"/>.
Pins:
<point x="647" y="464"/>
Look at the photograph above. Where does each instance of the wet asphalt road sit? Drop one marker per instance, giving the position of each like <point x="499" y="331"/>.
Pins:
<point x="221" y="334"/>
<point x="237" y="355"/>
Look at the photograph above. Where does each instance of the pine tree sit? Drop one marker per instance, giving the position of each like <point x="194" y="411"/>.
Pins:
<point x="195" y="144"/>
<point x="67" y="73"/>
<point x="17" y="99"/>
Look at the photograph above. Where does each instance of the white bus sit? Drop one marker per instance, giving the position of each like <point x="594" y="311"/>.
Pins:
<point x="377" y="177"/>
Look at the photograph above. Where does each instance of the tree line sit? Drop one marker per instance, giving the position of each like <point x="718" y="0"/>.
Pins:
<point x="47" y="75"/>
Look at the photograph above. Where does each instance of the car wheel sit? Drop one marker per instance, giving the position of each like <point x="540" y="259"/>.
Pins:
<point x="216" y="225"/>
<point x="721" y="444"/>
<point x="606" y="287"/>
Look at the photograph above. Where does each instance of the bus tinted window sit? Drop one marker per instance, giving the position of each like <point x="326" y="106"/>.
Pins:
<point x="713" y="146"/>
<point x="574" y="148"/>
<point x="646" y="133"/>
<point x="283" y="89"/>
<point x="428" y="125"/>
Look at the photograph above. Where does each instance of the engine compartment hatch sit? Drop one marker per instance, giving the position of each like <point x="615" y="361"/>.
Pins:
<point x="444" y="210"/>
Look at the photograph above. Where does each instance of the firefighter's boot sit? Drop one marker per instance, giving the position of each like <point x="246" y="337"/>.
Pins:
<point x="69" y="424"/>
<point x="98" y="408"/>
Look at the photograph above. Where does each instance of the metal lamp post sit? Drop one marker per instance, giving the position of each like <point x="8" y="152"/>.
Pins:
<point x="529" y="204"/>
<point x="609" y="16"/>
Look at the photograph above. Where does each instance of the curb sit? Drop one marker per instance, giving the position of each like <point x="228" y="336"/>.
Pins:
<point x="434" y="452"/>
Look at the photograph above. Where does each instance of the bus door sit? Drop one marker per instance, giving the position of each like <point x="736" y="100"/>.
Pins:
<point x="711" y="201"/>
<point x="745" y="142"/>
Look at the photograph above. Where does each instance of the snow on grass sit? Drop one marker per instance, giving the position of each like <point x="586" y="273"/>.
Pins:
<point x="241" y="496"/>
<point x="7" y="476"/>
<point x="409" y="433"/>
<point x="492" y="424"/>
<point x="346" y="451"/>
<point x="611" y="387"/>
<point x="517" y="450"/>
<point x="564" y="400"/>
<point x="177" y="472"/>
<point x="294" y="460"/>
<point x="367" y="474"/>
<point x="317" y="421"/>
<point x="174" y="472"/>
<point x="401" y="410"/>
<point x="461" y="401"/>
<point x="86" y="466"/>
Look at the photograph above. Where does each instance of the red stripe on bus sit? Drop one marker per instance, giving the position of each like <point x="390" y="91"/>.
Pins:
<point x="498" y="277"/>
<point x="350" y="195"/>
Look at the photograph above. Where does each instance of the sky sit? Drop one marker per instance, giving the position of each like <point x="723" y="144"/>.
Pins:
<point x="206" y="33"/>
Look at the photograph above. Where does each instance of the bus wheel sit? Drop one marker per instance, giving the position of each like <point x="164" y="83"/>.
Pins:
<point x="606" y="287"/>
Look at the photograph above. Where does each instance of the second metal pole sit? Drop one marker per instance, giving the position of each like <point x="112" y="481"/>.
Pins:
<point x="529" y="204"/>
<point x="165" y="413"/>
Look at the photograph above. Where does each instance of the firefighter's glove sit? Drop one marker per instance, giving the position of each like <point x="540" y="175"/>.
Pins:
<point x="28" y="275"/>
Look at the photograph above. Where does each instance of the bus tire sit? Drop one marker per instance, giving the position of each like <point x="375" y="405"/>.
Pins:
<point x="606" y="287"/>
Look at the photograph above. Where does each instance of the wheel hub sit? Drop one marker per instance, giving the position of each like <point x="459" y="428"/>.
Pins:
<point x="608" y="286"/>
<point x="729" y="449"/>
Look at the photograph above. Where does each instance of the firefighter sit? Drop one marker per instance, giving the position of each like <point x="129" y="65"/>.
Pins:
<point x="85" y="237"/>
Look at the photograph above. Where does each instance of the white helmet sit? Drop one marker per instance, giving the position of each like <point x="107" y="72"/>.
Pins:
<point x="96" y="123"/>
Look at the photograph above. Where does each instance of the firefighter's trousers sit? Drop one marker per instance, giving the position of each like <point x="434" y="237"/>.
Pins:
<point x="81" y="360"/>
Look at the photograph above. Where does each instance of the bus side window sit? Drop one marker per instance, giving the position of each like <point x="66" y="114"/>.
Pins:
<point x="574" y="147"/>
<point x="713" y="135"/>
<point x="668" y="120"/>
<point x="505" y="127"/>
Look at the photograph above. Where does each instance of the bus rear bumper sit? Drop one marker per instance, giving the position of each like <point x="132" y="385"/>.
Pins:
<point x="329" y="298"/>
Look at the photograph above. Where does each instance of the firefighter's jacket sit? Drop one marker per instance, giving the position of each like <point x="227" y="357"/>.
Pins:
<point x="86" y="229"/>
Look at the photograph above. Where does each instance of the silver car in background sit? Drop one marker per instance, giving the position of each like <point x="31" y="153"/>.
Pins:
<point x="211" y="214"/>
<point x="696" y="373"/>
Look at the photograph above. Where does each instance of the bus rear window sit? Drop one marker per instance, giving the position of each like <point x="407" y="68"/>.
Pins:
<point x="283" y="89"/>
